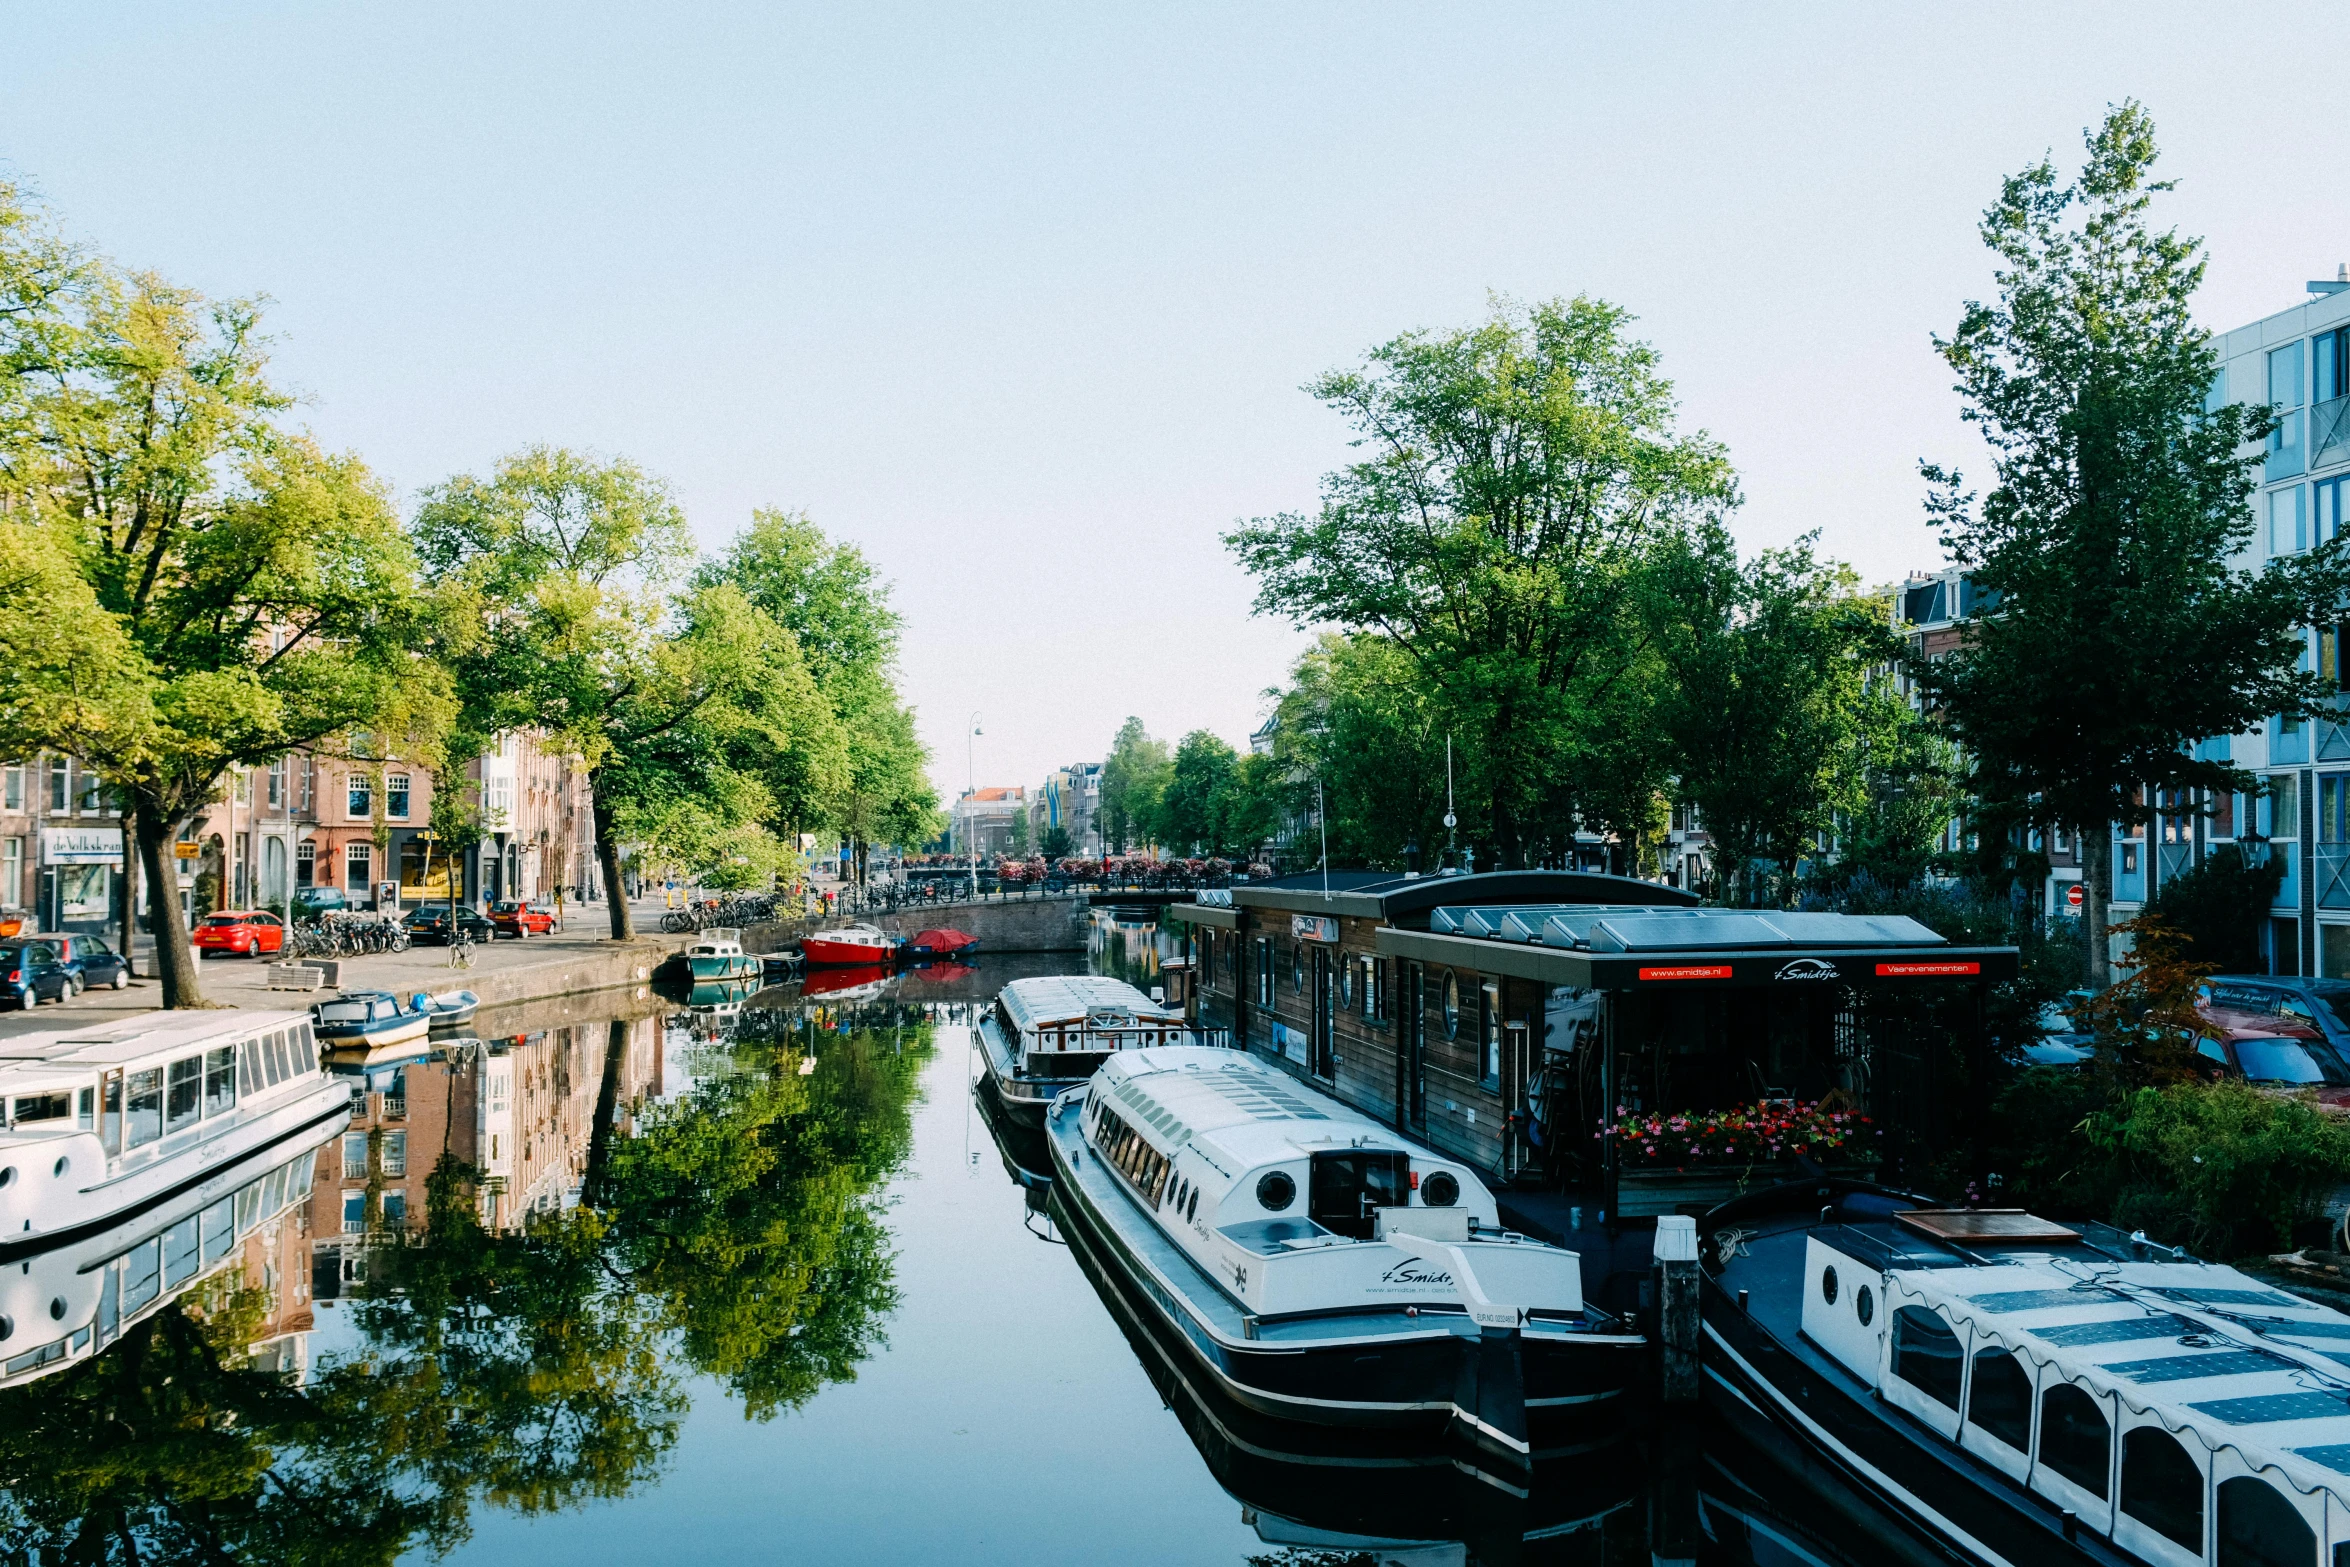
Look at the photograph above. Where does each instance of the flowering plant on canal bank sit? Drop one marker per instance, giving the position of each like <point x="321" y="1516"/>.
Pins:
<point x="1764" y="1132"/>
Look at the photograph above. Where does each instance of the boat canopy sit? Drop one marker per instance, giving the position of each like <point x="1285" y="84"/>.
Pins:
<point x="1082" y="1001"/>
<point x="2214" y="1356"/>
<point x="1603" y="927"/>
<point x="1174" y="1092"/>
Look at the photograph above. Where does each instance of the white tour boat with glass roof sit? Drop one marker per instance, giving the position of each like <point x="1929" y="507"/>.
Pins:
<point x="2032" y="1392"/>
<point x="1047" y="1035"/>
<point x="1318" y="1266"/>
<point x="106" y="1120"/>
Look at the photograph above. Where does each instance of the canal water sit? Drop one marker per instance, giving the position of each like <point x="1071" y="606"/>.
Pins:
<point x="715" y="1278"/>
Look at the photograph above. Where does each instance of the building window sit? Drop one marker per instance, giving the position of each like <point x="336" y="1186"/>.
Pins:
<point x="354" y="1156"/>
<point x="358" y="859"/>
<point x="12" y="787"/>
<point x="2333" y="808"/>
<point x="2325" y="509"/>
<point x="307" y="774"/>
<point x="2287" y="521"/>
<point x="395" y="1210"/>
<point x="361" y="797"/>
<point x="59" y="785"/>
<point x="305" y="863"/>
<point x="354" y="1213"/>
<point x="396" y="796"/>
<point x="11" y="870"/>
<point x="2129" y="859"/>
<point x="395" y="1153"/>
<point x="277" y="782"/>
<point x="2284" y="805"/>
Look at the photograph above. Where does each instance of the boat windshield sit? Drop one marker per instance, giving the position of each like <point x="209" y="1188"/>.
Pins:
<point x="343" y="1012"/>
<point x="2277" y="1060"/>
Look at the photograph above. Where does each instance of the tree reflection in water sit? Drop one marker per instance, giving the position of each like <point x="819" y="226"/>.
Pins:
<point x="733" y="1231"/>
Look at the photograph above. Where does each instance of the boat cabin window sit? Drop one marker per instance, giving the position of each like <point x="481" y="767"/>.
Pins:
<point x="142" y="1109"/>
<point x="1191" y="1208"/>
<point x="2075" y="1440"/>
<point x="1347" y="1187"/>
<point x="2259" y="1528"/>
<point x="220" y="1080"/>
<point x="2000" y="1402"/>
<point x="2162" y="1488"/>
<point x="41" y="1107"/>
<point x="1926" y="1354"/>
<point x="183" y="1100"/>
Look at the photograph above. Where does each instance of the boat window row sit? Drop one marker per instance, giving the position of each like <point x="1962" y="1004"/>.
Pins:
<point x="53" y="1106"/>
<point x="143" y="1275"/>
<point x="1362" y="980"/>
<point x="148" y="1105"/>
<point x="1144" y="1167"/>
<point x="2161" y="1484"/>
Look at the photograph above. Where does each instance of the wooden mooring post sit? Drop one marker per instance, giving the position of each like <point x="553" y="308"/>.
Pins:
<point x="1673" y="1272"/>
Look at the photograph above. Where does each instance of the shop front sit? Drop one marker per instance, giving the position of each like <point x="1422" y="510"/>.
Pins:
<point x="80" y="867"/>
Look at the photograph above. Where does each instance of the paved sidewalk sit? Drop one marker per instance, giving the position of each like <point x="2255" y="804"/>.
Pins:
<point x="243" y="982"/>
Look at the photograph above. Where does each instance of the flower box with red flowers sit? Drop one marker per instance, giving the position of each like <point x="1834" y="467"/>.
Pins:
<point x="1670" y="1160"/>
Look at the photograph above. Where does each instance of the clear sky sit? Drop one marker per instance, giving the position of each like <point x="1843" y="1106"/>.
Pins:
<point x="1018" y="298"/>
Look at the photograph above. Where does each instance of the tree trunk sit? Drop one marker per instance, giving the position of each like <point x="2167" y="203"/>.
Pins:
<point x="599" y="1152"/>
<point x="175" y="960"/>
<point x="2096" y="901"/>
<point x="608" y="855"/>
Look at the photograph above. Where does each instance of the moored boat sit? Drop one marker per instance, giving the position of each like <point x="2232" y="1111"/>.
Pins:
<point x="1317" y="1267"/>
<point x="369" y="1018"/>
<point x="107" y="1121"/>
<point x="717" y="954"/>
<point x="446" y="1010"/>
<point x="849" y="946"/>
<point x="942" y="943"/>
<point x="1047" y="1035"/>
<point x="2024" y="1392"/>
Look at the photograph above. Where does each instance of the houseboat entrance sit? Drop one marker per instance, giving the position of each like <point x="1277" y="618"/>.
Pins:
<point x="1345" y="1188"/>
<point x="1412" y="1091"/>
<point x="1325" y="1024"/>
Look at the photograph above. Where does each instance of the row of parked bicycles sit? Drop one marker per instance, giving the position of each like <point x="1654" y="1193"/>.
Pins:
<point x="347" y="936"/>
<point x="733" y="910"/>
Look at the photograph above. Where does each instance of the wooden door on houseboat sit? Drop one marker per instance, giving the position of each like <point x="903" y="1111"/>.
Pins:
<point x="1411" y="1047"/>
<point x="1325" y="1016"/>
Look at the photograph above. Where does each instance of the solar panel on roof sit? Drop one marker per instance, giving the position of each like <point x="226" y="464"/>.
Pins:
<point x="2335" y="1456"/>
<point x="2037" y="1300"/>
<point x="1856" y="930"/>
<point x="2229" y="1297"/>
<point x="2072" y="1335"/>
<point x="1652" y="933"/>
<point x="2272" y="1407"/>
<point x="2204" y="1363"/>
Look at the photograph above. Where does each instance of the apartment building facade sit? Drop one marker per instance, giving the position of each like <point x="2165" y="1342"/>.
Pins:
<point x="982" y="820"/>
<point x="1070" y="798"/>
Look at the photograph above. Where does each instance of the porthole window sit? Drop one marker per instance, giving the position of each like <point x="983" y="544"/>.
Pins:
<point x="57" y="1308"/>
<point x="59" y="1169"/>
<point x="1864" y="1305"/>
<point x="1346" y="984"/>
<point x="1828" y="1285"/>
<point x="1452" y="1005"/>
<point x="1275" y="1191"/>
<point x="1191" y="1208"/>
<point x="7" y="1175"/>
<point x="1440" y="1190"/>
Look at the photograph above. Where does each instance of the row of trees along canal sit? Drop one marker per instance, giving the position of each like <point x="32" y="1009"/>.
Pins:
<point x="190" y="585"/>
<point x="1530" y="562"/>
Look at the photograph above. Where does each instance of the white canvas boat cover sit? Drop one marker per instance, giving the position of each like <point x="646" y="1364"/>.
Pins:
<point x="1063" y="1000"/>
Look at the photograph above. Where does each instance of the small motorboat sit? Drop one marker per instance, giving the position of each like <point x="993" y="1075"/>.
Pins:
<point x="449" y="1010"/>
<point x="850" y="946"/>
<point x="717" y="954"/>
<point x="942" y="943"/>
<point x="1316" y="1267"/>
<point x="776" y="967"/>
<point x="2025" y="1391"/>
<point x="369" y="1018"/>
<point x="1046" y="1036"/>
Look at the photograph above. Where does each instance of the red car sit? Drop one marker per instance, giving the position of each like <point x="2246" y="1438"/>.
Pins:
<point x="514" y="917"/>
<point x="249" y="934"/>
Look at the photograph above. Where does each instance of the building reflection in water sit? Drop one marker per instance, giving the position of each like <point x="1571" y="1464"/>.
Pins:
<point x="538" y="1236"/>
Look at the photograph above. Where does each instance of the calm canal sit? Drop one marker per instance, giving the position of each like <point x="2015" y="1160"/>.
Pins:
<point x="782" y="1296"/>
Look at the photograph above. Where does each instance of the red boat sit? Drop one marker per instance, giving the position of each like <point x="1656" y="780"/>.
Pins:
<point x="849" y="945"/>
<point x="942" y="943"/>
<point x="846" y="984"/>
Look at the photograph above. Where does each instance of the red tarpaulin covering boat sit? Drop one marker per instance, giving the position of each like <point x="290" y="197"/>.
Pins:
<point x="942" y="943"/>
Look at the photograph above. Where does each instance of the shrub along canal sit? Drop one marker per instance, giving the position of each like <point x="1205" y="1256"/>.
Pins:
<point x="654" y="1281"/>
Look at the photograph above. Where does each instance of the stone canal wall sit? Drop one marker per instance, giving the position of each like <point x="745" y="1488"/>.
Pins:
<point x="1013" y="925"/>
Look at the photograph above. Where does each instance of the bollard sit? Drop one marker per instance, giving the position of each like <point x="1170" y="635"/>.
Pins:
<point x="1674" y="1271"/>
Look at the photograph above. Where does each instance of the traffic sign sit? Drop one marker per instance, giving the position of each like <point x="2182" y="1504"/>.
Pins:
<point x="2074" y="896"/>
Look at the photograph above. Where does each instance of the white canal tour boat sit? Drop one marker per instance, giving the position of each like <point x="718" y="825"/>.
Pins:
<point x="108" y="1120"/>
<point x="1046" y="1036"/>
<point x="1318" y="1267"/>
<point x="62" y="1305"/>
<point x="2025" y="1392"/>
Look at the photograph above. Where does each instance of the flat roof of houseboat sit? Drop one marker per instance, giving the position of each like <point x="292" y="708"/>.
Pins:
<point x="146" y="1034"/>
<point x="1056" y="999"/>
<point x="1385" y="896"/>
<point x="1234" y="1101"/>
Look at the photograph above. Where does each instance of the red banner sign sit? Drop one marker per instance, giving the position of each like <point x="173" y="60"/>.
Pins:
<point x="1925" y="970"/>
<point x="1689" y="971"/>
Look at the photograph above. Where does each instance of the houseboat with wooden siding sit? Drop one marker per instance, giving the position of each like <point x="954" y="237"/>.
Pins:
<point x="107" y="1121"/>
<point x="1504" y="1018"/>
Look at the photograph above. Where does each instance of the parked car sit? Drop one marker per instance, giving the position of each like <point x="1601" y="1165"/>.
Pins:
<point x="515" y="917"/>
<point x="434" y="922"/>
<point x="2281" y="1032"/>
<point x="2322" y="1005"/>
<point x="31" y="972"/>
<point x="249" y="933"/>
<point x="92" y="962"/>
<point x="315" y="902"/>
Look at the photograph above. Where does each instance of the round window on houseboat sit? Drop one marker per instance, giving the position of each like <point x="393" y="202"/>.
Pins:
<point x="1276" y="1191"/>
<point x="1828" y="1285"/>
<point x="1864" y="1306"/>
<point x="1440" y="1190"/>
<point x="1452" y="1005"/>
<point x="1346" y="983"/>
<point x="57" y="1308"/>
<point x="1191" y="1208"/>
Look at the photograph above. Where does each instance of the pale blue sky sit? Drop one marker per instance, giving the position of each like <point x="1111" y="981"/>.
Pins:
<point x="1018" y="298"/>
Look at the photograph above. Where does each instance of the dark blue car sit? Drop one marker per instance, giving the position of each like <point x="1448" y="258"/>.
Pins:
<point x="32" y="972"/>
<point x="92" y="963"/>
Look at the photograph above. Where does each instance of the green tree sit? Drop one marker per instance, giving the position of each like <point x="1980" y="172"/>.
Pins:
<point x="1362" y="718"/>
<point x="2122" y="632"/>
<point x="260" y="592"/>
<point x="587" y="639"/>
<point x="1016" y="842"/>
<point x="2221" y="906"/>
<point x="1054" y="844"/>
<point x="1523" y="482"/>
<point x="1770" y="705"/>
<point x="1134" y="779"/>
<point x="1198" y="805"/>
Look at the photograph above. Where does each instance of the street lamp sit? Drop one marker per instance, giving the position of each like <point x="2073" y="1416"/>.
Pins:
<point x="971" y="802"/>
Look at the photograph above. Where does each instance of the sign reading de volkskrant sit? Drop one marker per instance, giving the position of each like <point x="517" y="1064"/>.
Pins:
<point x="81" y="846"/>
